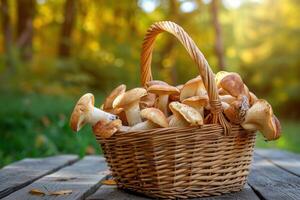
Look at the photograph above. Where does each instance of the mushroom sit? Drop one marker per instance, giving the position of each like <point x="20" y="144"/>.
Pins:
<point x="192" y="88"/>
<point x="155" y="82"/>
<point x="260" y="117"/>
<point x="107" y="129"/>
<point x="176" y="97"/>
<point x="197" y="102"/>
<point x="129" y="101"/>
<point x="219" y="76"/>
<point x="155" y="118"/>
<point x="85" y="113"/>
<point x="147" y="101"/>
<point x="184" y="115"/>
<point x="236" y="110"/>
<point x="227" y="98"/>
<point x="107" y="105"/>
<point x="163" y="92"/>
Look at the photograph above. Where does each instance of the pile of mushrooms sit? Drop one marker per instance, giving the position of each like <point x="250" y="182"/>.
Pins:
<point x="160" y="105"/>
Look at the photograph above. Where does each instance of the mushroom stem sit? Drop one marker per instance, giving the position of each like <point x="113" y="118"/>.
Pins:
<point x="177" y="121"/>
<point x="143" y="126"/>
<point x="163" y="103"/>
<point x="98" y="114"/>
<point x="133" y="114"/>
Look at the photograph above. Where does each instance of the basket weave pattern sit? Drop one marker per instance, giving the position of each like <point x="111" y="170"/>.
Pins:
<point x="181" y="162"/>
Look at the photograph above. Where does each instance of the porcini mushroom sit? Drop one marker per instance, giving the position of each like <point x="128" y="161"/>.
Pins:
<point x="85" y="113"/>
<point x="260" y="117"/>
<point x="163" y="92"/>
<point x="154" y="118"/>
<point x="237" y="110"/>
<point x="107" y="105"/>
<point x="155" y="82"/>
<point x="107" y="129"/>
<point x="129" y="101"/>
<point x="184" y="115"/>
<point x="197" y="102"/>
<point x="147" y="101"/>
<point x="192" y="88"/>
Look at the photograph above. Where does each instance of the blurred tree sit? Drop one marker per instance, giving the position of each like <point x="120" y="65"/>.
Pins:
<point x="67" y="28"/>
<point x="7" y="30"/>
<point x="25" y="12"/>
<point x="218" y="34"/>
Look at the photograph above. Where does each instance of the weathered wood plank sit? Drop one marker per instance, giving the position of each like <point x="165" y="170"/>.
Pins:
<point x="83" y="178"/>
<point x="24" y="172"/>
<point x="272" y="182"/>
<point x="286" y="160"/>
<point x="112" y="193"/>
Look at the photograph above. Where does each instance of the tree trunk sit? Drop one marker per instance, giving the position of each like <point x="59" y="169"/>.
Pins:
<point x="25" y="11"/>
<point x="6" y="26"/>
<point x="218" y="34"/>
<point x="66" y="29"/>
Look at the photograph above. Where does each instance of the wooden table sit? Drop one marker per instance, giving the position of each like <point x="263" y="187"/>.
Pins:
<point x="274" y="175"/>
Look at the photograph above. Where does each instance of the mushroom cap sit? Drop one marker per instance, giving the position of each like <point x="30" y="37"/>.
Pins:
<point x="147" y="101"/>
<point x="192" y="88"/>
<point x="155" y="82"/>
<point x="227" y="98"/>
<point x="129" y="97"/>
<point x="163" y="89"/>
<point x="237" y="110"/>
<point x="106" y="129"/>
<point x="112" y="96"/>
<point x="156" y="116"/>
<point x="219" y="76"/>
<point x="196" y="101"/>
<point x="233" y="84"/>
<point x="81" y="110"/>
<point x="190" y="114"/>
<point x="253" y="98"/>
<point x="260" y="117"/>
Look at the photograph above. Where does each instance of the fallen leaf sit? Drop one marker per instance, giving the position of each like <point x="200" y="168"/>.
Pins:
<point x="109" y="182"/>
<point x="61" y="192"/>
<point x="37" y="192"/>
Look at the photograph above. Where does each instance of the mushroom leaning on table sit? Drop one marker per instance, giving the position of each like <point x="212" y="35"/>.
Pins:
<point x="154" y="118"/>
<point x="85" y="113"/>
<point x="129" y="101"/>
<point x="163" y="92"/>
<point x="260" y="117"/>
<point x="184" y="115"/>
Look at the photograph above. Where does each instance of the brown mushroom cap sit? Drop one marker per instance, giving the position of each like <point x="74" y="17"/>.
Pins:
<point x="260" y="117"/>
<point x="190" y="114"/>
<point x="155" y="82"/>
<point x="156" y="116"/>
<point x="233" y="84"/>
<point x="219" y="76"/>
<point x="192" y="88"/>
<point x="196" y="101"/>
<point x="129" y="97"/>
<point x="106" y="129"/>
<point x="81" y="110"/>
<point x="107" y="105"/>
<point x="147" y="101"/>
<point x="163" y="89"/>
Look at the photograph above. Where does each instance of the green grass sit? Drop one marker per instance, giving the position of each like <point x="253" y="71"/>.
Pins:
<point x="38" y="125"/>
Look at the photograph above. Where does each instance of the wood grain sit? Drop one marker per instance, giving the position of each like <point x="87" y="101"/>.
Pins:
<point x="24" y="172"/>
<point x="272" y="182"/>
<point x="83" y="178"/>
<point x="112" y="193"/>
<point x="286" y="160"/>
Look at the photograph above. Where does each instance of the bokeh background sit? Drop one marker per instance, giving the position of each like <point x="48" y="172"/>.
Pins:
<point x="53" y="51"/>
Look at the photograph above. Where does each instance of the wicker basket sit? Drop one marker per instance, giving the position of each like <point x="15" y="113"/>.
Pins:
<point x="181" y="162"/>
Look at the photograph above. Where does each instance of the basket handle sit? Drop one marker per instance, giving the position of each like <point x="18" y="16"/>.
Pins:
<point x="206" y="73"/>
